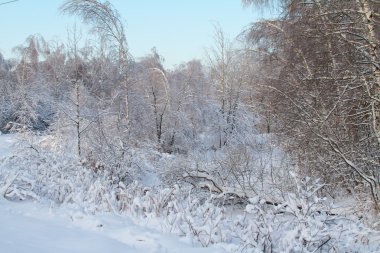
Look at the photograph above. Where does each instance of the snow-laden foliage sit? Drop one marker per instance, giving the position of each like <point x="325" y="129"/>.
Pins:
<point x="302" y="221"/>
<point x="48" y="176"/>
<point x="25" y="107"/>
<point x="241" y="170"/>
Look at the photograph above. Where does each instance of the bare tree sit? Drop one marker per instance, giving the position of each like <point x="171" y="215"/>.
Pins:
<point x="108" y="23"/>
<point x="76" y="74"/>
<point x="324" y="90"/>
<point x="225" y="70"/>
<point x="157" y="91"/>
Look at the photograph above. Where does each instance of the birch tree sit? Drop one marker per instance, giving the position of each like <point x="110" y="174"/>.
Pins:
<point x="222" y="70"/>
<point x="325" y="92"/>
<point x="107" y="22"/>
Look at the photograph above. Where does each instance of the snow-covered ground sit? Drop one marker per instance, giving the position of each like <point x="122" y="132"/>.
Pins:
<point x="35" y="228"/>
<point x="7" y="141"/>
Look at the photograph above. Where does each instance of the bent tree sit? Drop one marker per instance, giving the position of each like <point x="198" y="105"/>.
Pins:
<point x="107" y="22"/>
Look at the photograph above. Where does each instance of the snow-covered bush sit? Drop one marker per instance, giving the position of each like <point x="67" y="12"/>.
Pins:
<point x="50" y="176"/>
<point x="301" y="221"/>
<point x="184" y="214"/>
<point x="200" y="220"/>
<point x="305" y="227"/>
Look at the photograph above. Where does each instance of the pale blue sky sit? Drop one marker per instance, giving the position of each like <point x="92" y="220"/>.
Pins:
<point x="181" y="30"/>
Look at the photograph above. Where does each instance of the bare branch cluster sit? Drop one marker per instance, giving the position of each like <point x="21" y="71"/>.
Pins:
<point x="321" y="81"/>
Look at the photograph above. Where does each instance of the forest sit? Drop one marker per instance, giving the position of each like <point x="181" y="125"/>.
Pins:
<point x="270" y="144"/>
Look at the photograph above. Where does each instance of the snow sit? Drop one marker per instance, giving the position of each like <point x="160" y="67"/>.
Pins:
<point x="36" y="228"/>
<point x="7" y="142"/>
<point x="23" y="231"/>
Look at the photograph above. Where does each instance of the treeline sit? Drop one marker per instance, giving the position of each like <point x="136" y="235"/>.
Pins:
<point x="49" y="86"/>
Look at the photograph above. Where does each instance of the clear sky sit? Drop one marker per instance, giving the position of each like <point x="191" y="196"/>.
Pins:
<point x="181" y="30"/>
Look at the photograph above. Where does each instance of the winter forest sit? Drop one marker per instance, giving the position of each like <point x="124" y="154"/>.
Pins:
<point x="270" y="144"/>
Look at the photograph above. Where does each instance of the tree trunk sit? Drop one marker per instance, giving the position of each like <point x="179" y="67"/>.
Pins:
<point x="374" y="90"/>
<point x="77" y="90"/>
<point x="373" y="52"/>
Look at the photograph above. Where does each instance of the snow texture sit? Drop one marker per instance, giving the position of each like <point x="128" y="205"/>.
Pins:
<point x="34" y="228"/>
